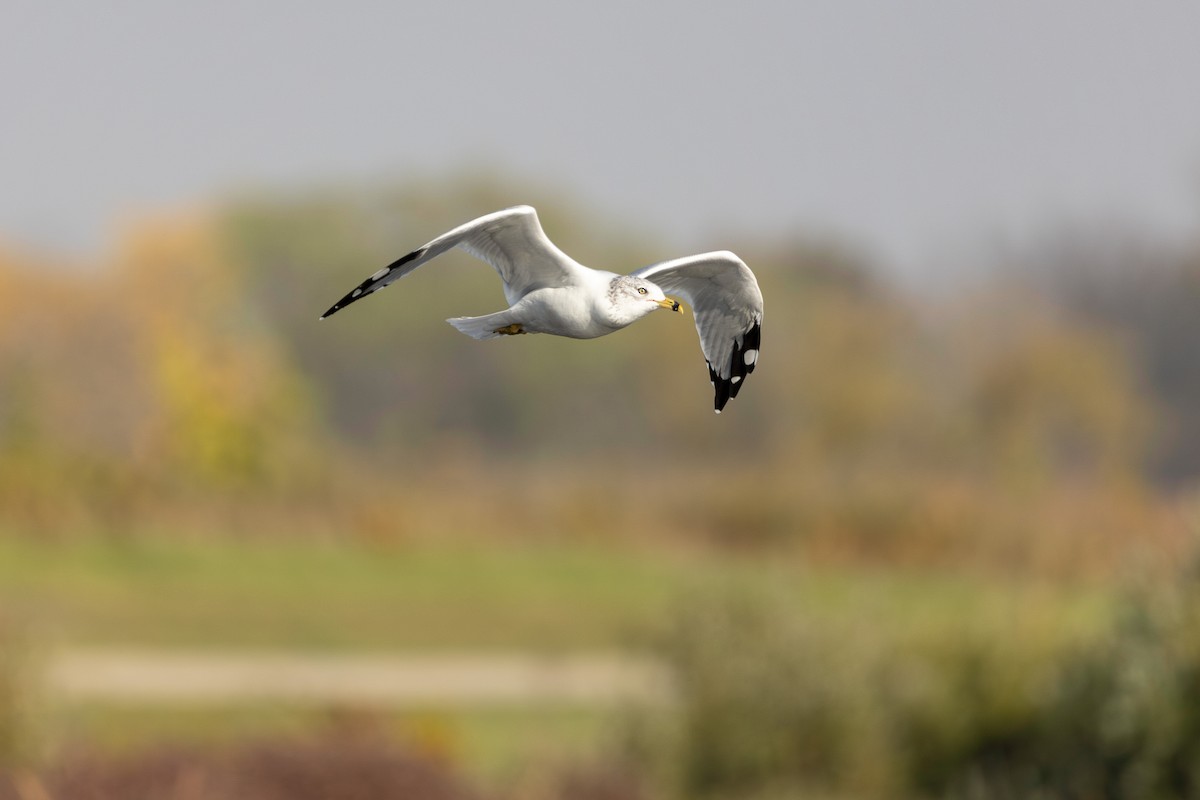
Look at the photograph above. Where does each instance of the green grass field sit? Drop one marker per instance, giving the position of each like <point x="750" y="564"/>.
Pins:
<point x="314" y="596"/>
<point x="308" y="596"/>
<point x="329" y="597"/>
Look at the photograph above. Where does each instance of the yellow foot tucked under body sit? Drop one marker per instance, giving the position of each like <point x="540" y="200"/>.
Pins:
<point x="511" y="330"/>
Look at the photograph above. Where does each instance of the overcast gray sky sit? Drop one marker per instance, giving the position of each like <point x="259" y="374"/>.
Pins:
<point x="904" y="125"/>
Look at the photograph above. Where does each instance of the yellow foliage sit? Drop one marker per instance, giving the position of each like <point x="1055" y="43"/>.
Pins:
<point x="225" y="396"/>
<point x="156" y="366"/>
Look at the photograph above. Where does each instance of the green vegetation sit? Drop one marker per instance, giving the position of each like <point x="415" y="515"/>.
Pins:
<point x="774" y="704"/>
<point x="305" y="595"/>
<point x="462" y="596"/>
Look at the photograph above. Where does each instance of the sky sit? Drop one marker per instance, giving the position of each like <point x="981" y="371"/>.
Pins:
<point x="905" y="128"/>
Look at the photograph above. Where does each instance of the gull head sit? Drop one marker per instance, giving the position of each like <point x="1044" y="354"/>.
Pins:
<point x="632" y="298"/>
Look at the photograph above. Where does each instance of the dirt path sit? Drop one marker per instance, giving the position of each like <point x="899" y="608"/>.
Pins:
<point x="144" y="677"/>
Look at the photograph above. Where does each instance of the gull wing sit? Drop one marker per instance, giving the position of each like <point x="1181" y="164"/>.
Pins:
<point x="728" y="305"/>
<point x="512" y="241"/>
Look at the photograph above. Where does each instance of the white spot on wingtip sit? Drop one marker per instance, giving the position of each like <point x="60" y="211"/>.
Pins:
<point x="735" y="379"/>
<point x="356" y="293"/>
<point x="750" y="356"/>
<point x="717" y="410"/>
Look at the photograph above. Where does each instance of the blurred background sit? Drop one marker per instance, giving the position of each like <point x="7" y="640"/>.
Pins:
<point x="943" y="545"/>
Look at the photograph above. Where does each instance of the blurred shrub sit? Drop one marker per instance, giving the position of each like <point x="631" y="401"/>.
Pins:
<point x="773" y="703"/>
<point x="1122" y="720"/>
<point x="349" y="769"/>
<point x="20" y="733"/>
<point x="324" y="766"/>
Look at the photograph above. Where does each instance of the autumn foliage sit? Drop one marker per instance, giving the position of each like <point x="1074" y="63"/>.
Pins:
<point x="185" y="382"/>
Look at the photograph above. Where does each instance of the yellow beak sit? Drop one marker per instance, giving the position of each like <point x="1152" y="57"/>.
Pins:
<point x="667" y="302"/>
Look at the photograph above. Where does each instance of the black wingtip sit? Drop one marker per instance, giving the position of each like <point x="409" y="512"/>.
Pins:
<point x="340" y="304"/>
<point x="372" y="284"/>
<point x="741" y="363"/>
<point x="721" y="386"/>
<point x="358" y="293"/>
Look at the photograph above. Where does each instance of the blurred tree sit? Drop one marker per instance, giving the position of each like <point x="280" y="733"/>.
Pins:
<point x="1055" y="402"/>
<point x="1149" y="296"/>
<point x="228" y="408"/>
<point x="122" y="382"/>
<point x="880" y="425"/>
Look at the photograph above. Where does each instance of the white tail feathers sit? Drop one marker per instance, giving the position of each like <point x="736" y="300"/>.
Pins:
<point x="485" y="327"/>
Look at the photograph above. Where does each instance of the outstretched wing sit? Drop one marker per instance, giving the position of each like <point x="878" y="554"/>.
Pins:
<point x="512" y="241"/>
<point x="728" y="305"/>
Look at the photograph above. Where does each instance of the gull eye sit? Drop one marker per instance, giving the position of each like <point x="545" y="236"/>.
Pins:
<point x="641" y="290"/>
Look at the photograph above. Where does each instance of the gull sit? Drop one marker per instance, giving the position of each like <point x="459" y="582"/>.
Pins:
<point x="549" y="292"/>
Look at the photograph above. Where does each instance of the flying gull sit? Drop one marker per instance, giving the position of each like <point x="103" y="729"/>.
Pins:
<point x="549" y="292"/>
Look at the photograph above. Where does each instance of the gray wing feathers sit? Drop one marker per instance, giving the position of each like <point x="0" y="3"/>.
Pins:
<point x="511" y="241"/>
<point x="728" y="307"/>
<point x="515" y="244"/>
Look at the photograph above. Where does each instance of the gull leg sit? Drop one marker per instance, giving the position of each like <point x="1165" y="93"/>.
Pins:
<point x="510" y="330"/>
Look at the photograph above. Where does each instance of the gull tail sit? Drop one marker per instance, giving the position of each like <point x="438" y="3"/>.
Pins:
<point x="489" y="326"/>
